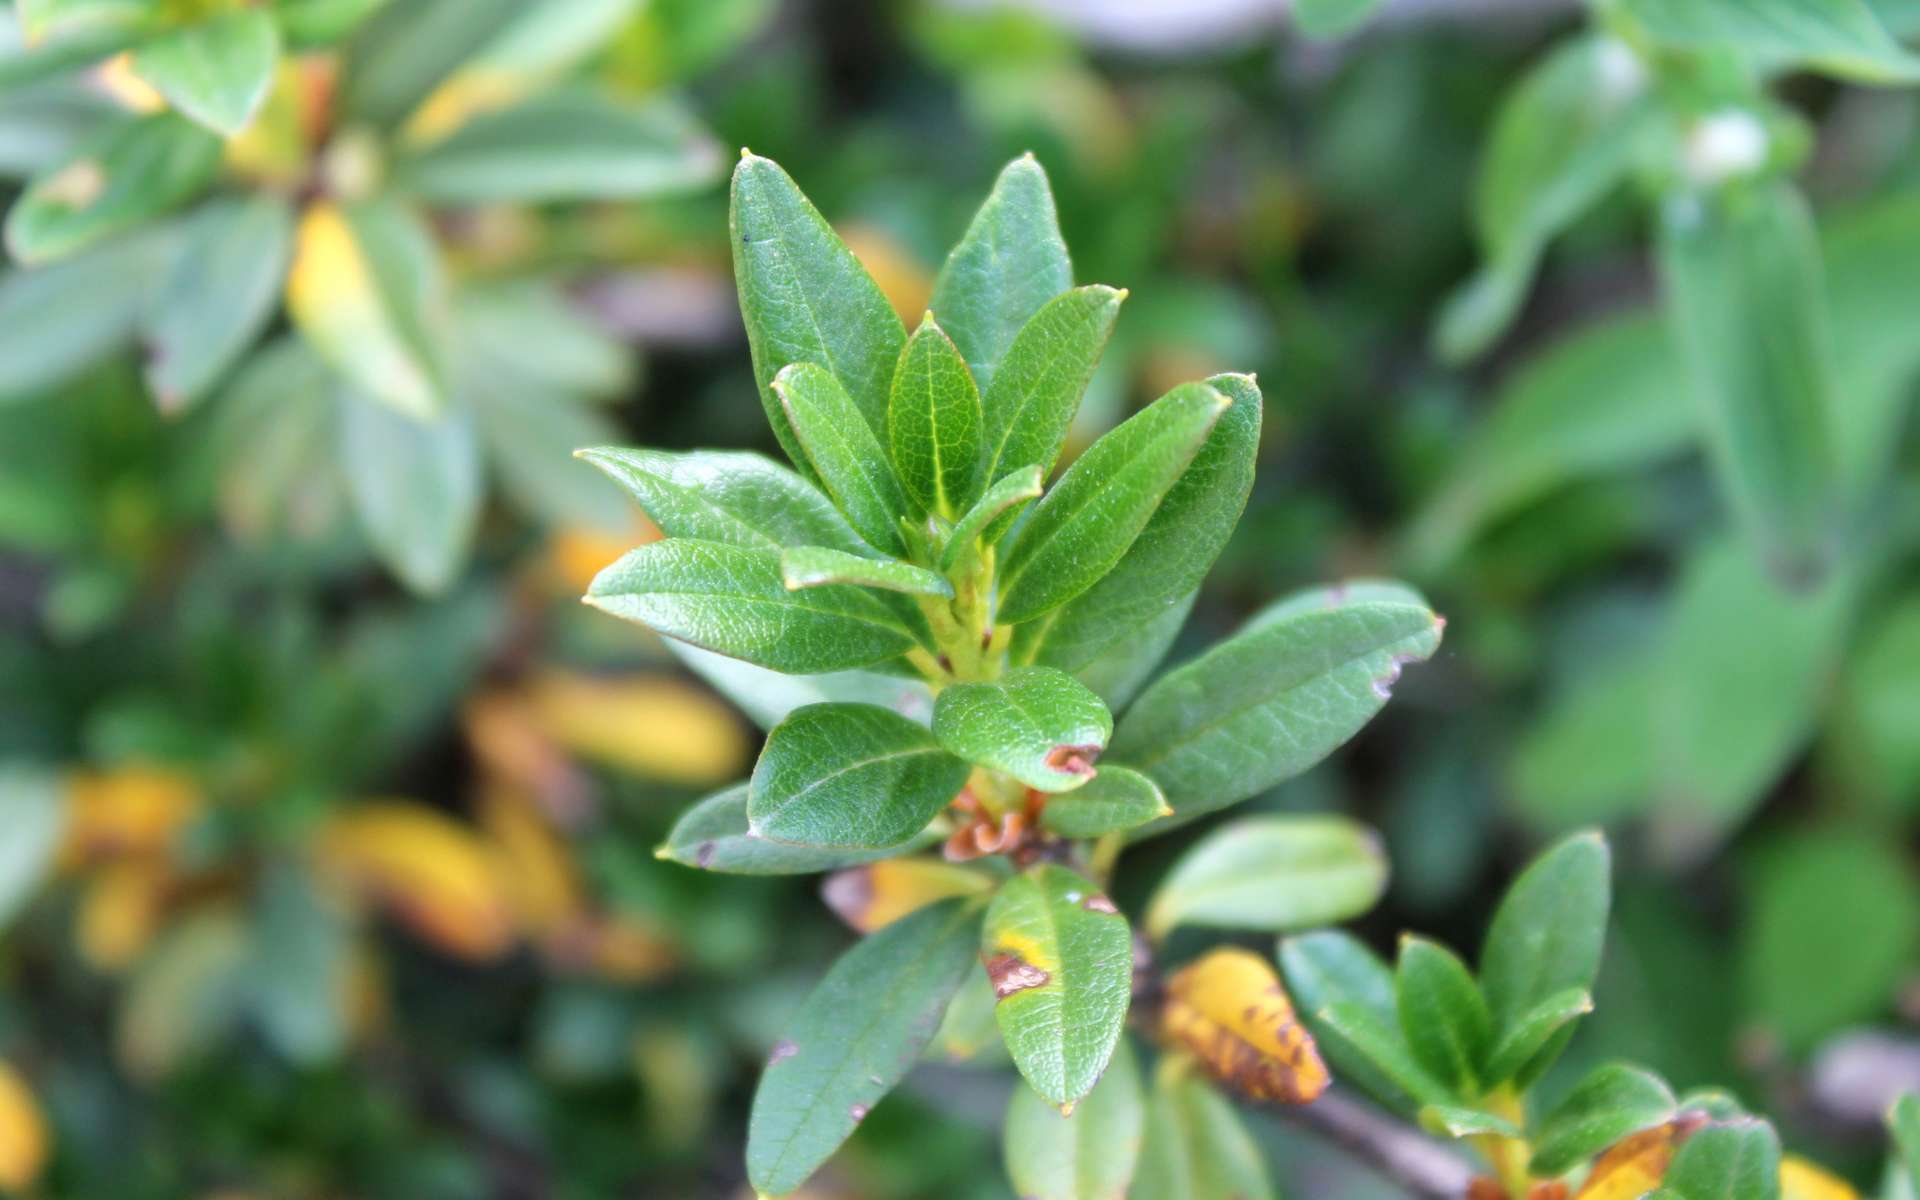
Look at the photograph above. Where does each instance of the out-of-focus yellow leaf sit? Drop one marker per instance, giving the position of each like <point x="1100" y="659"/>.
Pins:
<point x="655" y="726"/>
<point x="515" y="752"/>
<point x="119" y="912"/>
<point x="623" y="949"/>
<point x="1634" y="1165"/>
<point x="1802" y="1180"/>
<point x="903" y="279"/>
<point x="274" y="148"/>
<point x="129" y="812"/>
<point x="1231" y="1011"/>
<point x="541" y="882"/>
<point x="577" y="555"/>
<point x="878" y="894"/>
<point x="430" y="871"/>
<point x="462" y="97"/>
<point x="23" y="1133"/>
<point x="116" y="79"/>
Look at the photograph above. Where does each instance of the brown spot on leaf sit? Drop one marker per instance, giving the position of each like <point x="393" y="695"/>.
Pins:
<point x="782" y="1049"/>
<point x="1009" y="973"/>
<point x="1074" y="760"/>
<point x="1098" y="903"/>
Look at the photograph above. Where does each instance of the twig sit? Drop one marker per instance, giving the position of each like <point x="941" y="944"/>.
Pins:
<point x="1403" y="1154"/>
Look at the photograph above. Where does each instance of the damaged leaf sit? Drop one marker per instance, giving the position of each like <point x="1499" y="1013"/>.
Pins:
<point x="1043" y="727"/>
<point x="1230" y="1012"/>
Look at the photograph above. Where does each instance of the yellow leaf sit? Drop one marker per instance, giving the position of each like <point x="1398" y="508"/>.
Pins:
<point x="23" y="1133"/>
<point x="577" y="555"/>
<point x="119" y="912"/>
<point x="429" y="870"/>
<point x="1231" y="1011"/>
<point x="463" y="97"/>
<point x="878" y="894"/>
<point x="625" y="950"/>
<point x="130" y="812"/>
<point x="116" y="79"/>
<point x="1802" y="1180"/>
<point x="275" y="146"/>
<point x="905" y="283"/>
<point x="652" y="725"/>
<point x="539" y="874"/>
<point x="335" y="299"/>
<point x="1634" y="1165"/>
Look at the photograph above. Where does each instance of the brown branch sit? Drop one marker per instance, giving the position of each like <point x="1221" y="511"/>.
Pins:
<point x="1398" y="1151"/>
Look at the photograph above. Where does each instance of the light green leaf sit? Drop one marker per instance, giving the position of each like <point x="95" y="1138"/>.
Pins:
<point x="1036" y="724"/>
<point x="1274" y="699"/>
<point x="1903" y="1121"/>
<point x="1333" y="967"/>
<point x="767" y="696"/>
<point x="416" y="487"/>
<point x="1743" y="272"/>
<point x="299" y="967"/>
<point x="1011" y="261"/>
<point x="714" y="835"/>
<point x="1089" y="1155"/>
<point x="933" y="423"/>
<point x="811" y="566"/>
<point x="731" y="496"/>
<point x="41" y="19"/>
<point x="129" y="173"/>
<point x="216" y="72"/>
<point x="57" y="320"/>
<point x="850" y="776"/>
<point x="186" y="994"/>
<point x="1004" y="499"/>
<point x="1524" y="1039"/>
<point x="843" y="453"/>
<point x="1085" y="523"/>
<point x="34" y="809"/>
<point x="1611" y="1102"/>
<point x="1454" y="1121"/>
<point x="1196" y="1146"/>
<point x="1031" y="399"/>
<point x="1548" y="931"/>
<point x="222" y="290"/>
<point x="1173" y="552"/>
<point x="565" y="145"/>
<point x="273" y="440"/>
<point x="1442" y="1013"/>
<point x="530" y="331"/>
<point x="733" y="601"/>
<point x="1115" y="799"/>
<point x="1332" y="18"/>
<point x="321" y="22"/>
<point x="1061" y="961"/>
<point x="853" y="1039"/>
<point x="532" y="433"/>
<point x="1839" y="37"/>
<point x="806" y="299"/>
<point x="403" y="53"/>
<point x="1739" y="1160"/>
<point x="1879" y="708"/>
<point x="1272" y="873"/>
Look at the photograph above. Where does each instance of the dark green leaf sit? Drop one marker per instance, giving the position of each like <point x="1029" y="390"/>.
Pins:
<point x="933" y="423"/>
<point x="1061" y="961"/>
<point x="1442" y="1013"/>
<point x="1118" y="674"/>
<point x="1115" y="799"/>
<point x="806" y="299"/>
<point x="858" y="1032"/>
<point x="415" y="485"/>
<point x="1739" y="1160"/>
<point x="1085" y="523"/>
<point x="1381" y="1046"/>
<point x="1331" y="967"/>
<point x="217" y="71"/>
<point x="1036" y="724"/>
<point x="812" y="566"/>
<point x="222" y="290"/>
<point x="1272" y="873"/>
<point x="129" y="173"/>
<point x="1520" y="1046"/>
<point x="1196" y="1146"/>
<point x="1547" y="933"/>
<point x="1611" y="1102"/>
<point x="1089" y="1155"/>
<point x="713" y="835"/>
<point x="1004" y="499"/>
<point x="1032" y="398"/>
<point x="730" y="496"/>
<point x="844" y="453"/>
<point x="733" y="601"/>
<point x="850" y="776"/>
<point x="397" y="58"/>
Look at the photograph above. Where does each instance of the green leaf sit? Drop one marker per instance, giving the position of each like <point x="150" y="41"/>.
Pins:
<point x="531" y="433"/>
<point x="530" y="331"/>
<point x="565" y="145"/>
<point x="217" y="72"/>
<point x="1456" y="1122"/>
<point x="126" y="175"/>
<point x="1115" y="799"/>
<point x="1378" y="1043"/>
<point x="58" y="320"/>
<point x="1332" y="967"/>
<point x="1196" y="1146"/>
<point x="1903" y="1121"/>
<point x="811" y="566"/>
<point x="1839" y="37"/>
<point x="1174" y="551"/>
<point x="1085" y="523"/>
<point x="40" y="19"/>
<point x="767" y="696"/>
<point x="853" y="1039"/>
<point x="1547" y="933"/>
<point x="1332" y="18"/>
<point x="1272" y="873"/>
<point x="1061" y="961"/>
<point x="714" y="835"/>
<point x="1004" y="499"/>
<point x="933" y="423"/>
<point x="1743" y="271"/>
<point x="1520" y="1046"/>
<point x="1442" y="1013"/>
<point x="844" y="454"/>
<point x="1804" y="888"/>
<point x="34" y="808"/>
<point x="1088" y="1155"/>
<point x="1118" y="674"/>
<point x="850" y="776"/>
<point x="733" y="601"/>
<point x="416" y="487"/>
<point x="299" y="963"/>
<point x="1010" y="262"/>
<point x="731" y="496"/>
<point x="1611" y="1102"/>
<point x="404" y="52"/>
<point x="321" y="22"/>
<point x="1030" y="402"/>
<point x="219" y="295"/>
<point x="1739" y="1160"/>
<point x="1274" y="699"/>
<point x="1036" y="724"/>
<point x="806" y="299"/>
<point x="1878" y="708"/>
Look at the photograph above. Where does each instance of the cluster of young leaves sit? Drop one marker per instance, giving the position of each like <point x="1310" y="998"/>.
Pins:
<point x="917" y="564"/>
<point x="237" y="185"/>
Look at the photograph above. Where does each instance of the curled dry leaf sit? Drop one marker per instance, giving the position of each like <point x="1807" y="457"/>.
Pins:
<point x="1232" y="1012"/>
<point x="1634" y="1165"/>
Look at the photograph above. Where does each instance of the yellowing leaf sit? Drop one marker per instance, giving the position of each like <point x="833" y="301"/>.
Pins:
<point x="654" y="726"/>
<point x="1231" y="1011"/>
<point x="129" y="812"/>
<point x="119" y="912"/>
<point x="1634" y="1165"/>
<point x="577" y="555"/>
<point x="624" y="950"/>
<point x="877" y="894"/>
<point x="274" y="147"/>
<point x="1802" y="1180"/>
<point x="23" y="1133"/>
<point x="463" y="97"/>
<point x="905" y="283"/>
<point x="116" y="79"/>
<point x="540" y="879"/>
<point x="429" y="870"/>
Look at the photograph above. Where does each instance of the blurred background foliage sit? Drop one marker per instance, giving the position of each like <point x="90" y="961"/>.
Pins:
<point x="329" y="812"/>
